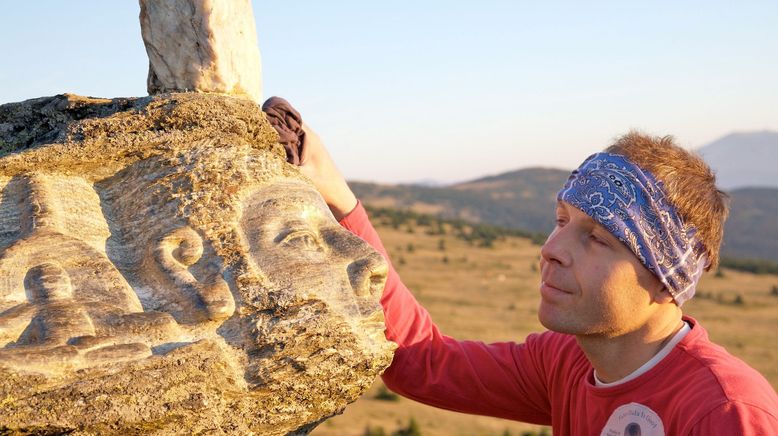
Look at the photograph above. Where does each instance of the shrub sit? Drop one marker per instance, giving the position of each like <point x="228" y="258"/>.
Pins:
<point x="384" y="394"/>
<point x="756" y="266"/>
<point x="542" y="432"/>
<point x="374" y="431"/>
<point x="424" y="220"/>
<point x="411" y="430"/>
<point x="483" y="235"/>
<point x="538" y="238"/>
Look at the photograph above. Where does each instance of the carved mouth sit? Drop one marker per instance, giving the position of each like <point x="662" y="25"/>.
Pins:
<point x="372" y="328"/>
<point x="375" y="318"/>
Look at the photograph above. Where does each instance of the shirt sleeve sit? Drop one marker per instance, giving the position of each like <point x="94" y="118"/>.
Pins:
<point x="736" y="417"/>
<point x="505" y="380"/>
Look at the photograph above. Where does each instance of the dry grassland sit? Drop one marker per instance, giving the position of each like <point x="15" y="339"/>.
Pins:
<point x="491" y="294"/>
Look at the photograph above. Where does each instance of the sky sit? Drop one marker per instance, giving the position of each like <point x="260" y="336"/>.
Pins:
<point x="449" y="90"/>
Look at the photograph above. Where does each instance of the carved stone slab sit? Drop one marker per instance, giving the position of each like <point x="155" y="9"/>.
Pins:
<point x="163" y="268"/>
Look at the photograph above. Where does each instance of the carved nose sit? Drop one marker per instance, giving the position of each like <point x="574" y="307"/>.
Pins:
<point x="368" y="275"/>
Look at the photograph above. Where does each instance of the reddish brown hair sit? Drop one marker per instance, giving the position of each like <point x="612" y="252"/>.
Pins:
<point x="688" y="181"/>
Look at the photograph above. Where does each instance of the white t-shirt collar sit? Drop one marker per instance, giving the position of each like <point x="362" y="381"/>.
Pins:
<point x="668" y="347"/>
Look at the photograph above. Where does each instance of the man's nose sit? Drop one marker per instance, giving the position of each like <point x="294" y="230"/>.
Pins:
<point x="367" y="274"/>
<point x="556" y="249"/>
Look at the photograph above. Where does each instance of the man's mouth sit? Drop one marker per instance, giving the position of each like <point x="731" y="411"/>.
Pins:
<point x="550" y="287"/>
<point x="546" y="280"/>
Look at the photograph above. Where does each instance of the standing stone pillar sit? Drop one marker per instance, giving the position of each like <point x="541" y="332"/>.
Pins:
<point x="203" y="46"/>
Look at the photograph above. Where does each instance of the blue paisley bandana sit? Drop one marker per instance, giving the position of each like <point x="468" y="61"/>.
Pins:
<point x="631" y="204"/>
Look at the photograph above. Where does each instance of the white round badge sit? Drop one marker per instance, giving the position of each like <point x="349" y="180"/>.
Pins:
<point x="633" y="419"/>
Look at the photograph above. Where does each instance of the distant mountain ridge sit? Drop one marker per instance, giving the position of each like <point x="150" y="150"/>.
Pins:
<point x="752" y="228"/>
<point x="520" y="199"/>
<point x="525" y="199"/>
<point x="744" y="160"/>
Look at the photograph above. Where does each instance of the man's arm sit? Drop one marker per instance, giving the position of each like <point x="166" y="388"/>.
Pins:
<point x="504" y="379"/>
<point x="507" y="380"/>
<point x="317" y="164"/>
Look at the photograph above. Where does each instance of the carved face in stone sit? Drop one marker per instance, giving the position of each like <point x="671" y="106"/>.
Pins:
<point x="215" y="229"/>
<point x="195" y="247"/>
<point x="294" y="239"/>
<point x="256" y="262"/>
<point x="202" y="243"/>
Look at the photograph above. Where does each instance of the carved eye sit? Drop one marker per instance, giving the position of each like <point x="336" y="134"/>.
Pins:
<point x="304" y="239"/>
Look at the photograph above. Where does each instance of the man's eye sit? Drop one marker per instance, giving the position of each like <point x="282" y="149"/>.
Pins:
<point x="596" y="239"/>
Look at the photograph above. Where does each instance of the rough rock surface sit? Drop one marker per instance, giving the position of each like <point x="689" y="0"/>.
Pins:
<point x="164" y="270"/>
<point x="201" y="45"/>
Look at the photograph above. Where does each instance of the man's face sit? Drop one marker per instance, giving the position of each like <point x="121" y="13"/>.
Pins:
<point x="592" y="284"/>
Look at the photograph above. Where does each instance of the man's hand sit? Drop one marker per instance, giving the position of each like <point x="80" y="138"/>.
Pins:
<point x="317" y="164"/>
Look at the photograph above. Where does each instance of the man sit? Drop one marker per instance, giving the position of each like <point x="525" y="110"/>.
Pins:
<point x="636" y="227"/>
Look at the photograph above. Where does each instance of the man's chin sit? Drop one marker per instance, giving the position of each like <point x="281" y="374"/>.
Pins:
<point x="553" y="319"/>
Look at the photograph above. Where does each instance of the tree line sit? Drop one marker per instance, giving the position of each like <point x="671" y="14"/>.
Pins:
<point x="485" y="235"/>
<point x="482" y="235"/>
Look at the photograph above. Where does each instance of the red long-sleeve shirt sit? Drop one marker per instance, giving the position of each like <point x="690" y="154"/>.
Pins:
<point x="697" y="389"/>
